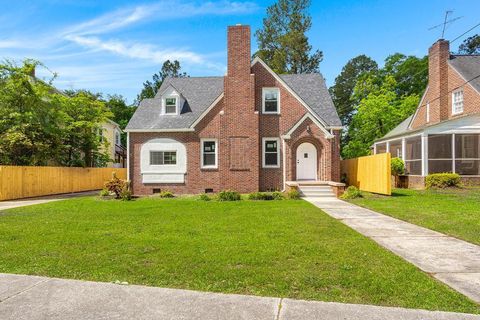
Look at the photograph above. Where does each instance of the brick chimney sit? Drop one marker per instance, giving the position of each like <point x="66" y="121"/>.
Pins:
<point x="438" y="56"/>
<point x="239" y="165"/>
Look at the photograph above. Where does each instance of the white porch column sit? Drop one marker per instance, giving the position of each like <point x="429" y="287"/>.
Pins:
<point x="284" y="164"/>
<point x="404" y="152"/>
<point x="424" y="154"/>
<point x="453" y="153"/>
<point x="128" y="156"/>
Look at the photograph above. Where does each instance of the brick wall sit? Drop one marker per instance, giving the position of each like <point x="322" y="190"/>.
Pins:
<point x="236" y="121"/>
<point x="443" y="80"/>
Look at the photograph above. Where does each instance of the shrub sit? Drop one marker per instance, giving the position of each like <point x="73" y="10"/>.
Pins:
<point x="293" y="193"/>
<point x="398" y="166"/>
<point x="126" y="194"/>
<point x="228" y="195"/>
<point x="277" y="195"/>
<point x="116" y="185"/>
<point x="104" y="193"/>
<point x="352" y="192"/>
<point x="166" y="194"/>
<point x="442" y="180"/>
<point x="204" y="197"/>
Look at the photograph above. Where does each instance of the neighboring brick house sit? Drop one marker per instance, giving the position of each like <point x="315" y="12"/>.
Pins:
<point x="444" y="133"/>
<point x="249" y="130"/>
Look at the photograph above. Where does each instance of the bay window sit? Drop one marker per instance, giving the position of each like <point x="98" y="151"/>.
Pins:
<point x="163" y="157"/>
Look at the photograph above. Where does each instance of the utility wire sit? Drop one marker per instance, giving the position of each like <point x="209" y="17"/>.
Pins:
<point x="465" y="33"/>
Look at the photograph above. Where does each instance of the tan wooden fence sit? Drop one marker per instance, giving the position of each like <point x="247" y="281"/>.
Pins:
<point x="370" y="173"/>
<point x="23" y="182"/>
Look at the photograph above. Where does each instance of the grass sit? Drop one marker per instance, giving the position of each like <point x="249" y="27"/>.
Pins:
<point x="455" y="212"/>
<point x="268" y="248"/>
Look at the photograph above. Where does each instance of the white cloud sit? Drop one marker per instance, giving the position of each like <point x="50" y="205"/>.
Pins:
<point x="137" y="50"/>
<point x="163" y="10"/>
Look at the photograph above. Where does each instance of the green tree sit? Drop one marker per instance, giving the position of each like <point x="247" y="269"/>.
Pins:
<point x="380" y="109"/>
<point x="471" y="45"/>
<point x="83" y="114"/>
<point x="122" y="113"/>
<point x="342" y="90"/>
<point x="29" y="134"/>
<point x="150" y="88"/>
<point x="410" y="73"/>
<point x="283" y="43"/>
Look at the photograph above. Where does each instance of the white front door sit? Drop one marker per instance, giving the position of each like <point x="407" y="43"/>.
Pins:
<point x="306" y="162"/>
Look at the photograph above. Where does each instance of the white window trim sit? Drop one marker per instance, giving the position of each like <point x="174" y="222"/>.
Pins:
<point x="164" y="105"/>
<point x="278" y="152"/>
<point x="202" y="152"/>
<point x="454" y="112"/>
<point x="162" y="165"/>
<point x="264" y="90"/>
<point x="427" y="112"/>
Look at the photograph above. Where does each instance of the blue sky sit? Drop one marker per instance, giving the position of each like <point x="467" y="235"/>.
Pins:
<point x="113" y="46"/>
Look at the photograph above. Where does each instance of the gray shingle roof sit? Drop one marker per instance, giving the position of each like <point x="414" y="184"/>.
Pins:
<point x="313" y="90"/>
<point x="201" y="92"/>
<point x="398" y="130"/>
<point x="469" y="67"/>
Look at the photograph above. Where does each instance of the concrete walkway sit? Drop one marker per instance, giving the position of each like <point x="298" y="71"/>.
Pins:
<point x="450" y="260"/>
<point x="9" y="204"/>
<point x="30" y="297"/>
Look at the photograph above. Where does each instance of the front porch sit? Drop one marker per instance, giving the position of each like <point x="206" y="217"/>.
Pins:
<point x="317" y="188"/>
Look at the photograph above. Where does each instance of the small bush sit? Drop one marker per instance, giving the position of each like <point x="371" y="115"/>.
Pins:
<point x="277" y="195"/>
<point x="293" y="193"/>
<point x="166" y="194"/>
<point x="352" y="192"/>
<point x="442" y="180"/>
<point x="116" y="185"/>
<point x="204" y="197"/>
<point x="228" y="195"/>
<point x="398" y="166"/>
<point x="126" y="194"/>
<point x="104" y="193"/>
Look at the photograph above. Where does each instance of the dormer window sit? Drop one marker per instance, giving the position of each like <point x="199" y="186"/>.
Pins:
<point x="270" y="100"/>
<point x="171" y="105"/>
<point x="457" y="101"/>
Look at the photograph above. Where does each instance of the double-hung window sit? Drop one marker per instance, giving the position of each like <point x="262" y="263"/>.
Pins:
<point x="457" y="101"/>
<point x="271" y="153"/>
<point x="209" y="153"/>
<point x="170" y="105"/>
<point x="270" y="100"/>
<point x="163" y="157"/>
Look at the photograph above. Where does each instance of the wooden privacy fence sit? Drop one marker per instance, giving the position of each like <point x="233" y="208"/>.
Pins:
<point x="370" y="173"/>
<point x="23" y="182"/>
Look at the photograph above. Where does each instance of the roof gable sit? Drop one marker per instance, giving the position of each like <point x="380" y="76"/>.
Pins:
<point x="310" y="87"/>
<point x="468" y="66"/>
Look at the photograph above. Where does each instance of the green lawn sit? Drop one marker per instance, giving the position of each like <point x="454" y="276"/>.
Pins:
<point x="271" y="248"/>
<point x="455" y="212"/>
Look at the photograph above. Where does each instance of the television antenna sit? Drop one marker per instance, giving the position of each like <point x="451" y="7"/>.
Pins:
<point x="445" y="23"/>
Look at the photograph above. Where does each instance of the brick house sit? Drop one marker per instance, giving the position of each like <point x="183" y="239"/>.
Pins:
<point x="443" y="135"/>
<point x="249" y="130"/>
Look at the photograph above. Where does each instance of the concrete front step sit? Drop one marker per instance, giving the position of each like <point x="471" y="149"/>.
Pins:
<point x="311" y="191"/>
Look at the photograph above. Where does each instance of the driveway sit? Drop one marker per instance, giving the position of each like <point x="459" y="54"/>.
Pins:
<point x="31" y="297"/>
<point x="9" y="204"/>
<point x="450" y="260"/>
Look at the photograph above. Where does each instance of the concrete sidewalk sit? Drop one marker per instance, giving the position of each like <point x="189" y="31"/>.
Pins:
<point x="31" y="297"/>
<point x="450" y="260"/>
<point x="9" y="204"/>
